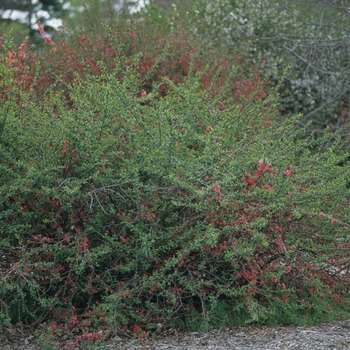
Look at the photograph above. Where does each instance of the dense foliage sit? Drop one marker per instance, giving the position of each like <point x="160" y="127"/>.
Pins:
<point x="158" y="189"/>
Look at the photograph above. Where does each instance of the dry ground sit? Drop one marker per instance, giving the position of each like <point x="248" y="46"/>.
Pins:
<point x="324" y="336"/>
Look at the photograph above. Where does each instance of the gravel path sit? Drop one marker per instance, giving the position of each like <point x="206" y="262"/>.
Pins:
<point x="324" y="336"/>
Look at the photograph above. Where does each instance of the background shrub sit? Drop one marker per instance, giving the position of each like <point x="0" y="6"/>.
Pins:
<point x="310" y="36"/>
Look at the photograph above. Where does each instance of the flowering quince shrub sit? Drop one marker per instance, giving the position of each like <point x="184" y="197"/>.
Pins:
<point x="124" y="208"/>
<point x="153" y="47"/>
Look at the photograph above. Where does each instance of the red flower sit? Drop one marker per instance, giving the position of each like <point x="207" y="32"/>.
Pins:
<point x="83" y="38"/>
<point x="124" y="240"/>
<point x="287" y="172"/>
<point x="268" y="187"/>
<point x="258" y="173"/>
<point x="221" y="108"/>
<point x="137" y="329"/>
<point x="249" y="180"/>
<point x="284" y="297"/>
<point x="83" y="244"/>
<point x="265" y="167"/>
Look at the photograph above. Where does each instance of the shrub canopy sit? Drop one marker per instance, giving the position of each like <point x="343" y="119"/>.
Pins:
<point x="130" y="199"/>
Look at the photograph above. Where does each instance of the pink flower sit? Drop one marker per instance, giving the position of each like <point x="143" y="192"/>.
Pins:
<point x="216" y="188"/>
<point x="12" y="55"/>
<point x="22" y="55"/>
<point x="44" y="34"/>
<point x="48" y="40"/>
<point x="41" y="28"/>
<point x="22" y="47"/>
<point x="143" y="93"/>
<point x="287" y="172"/>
